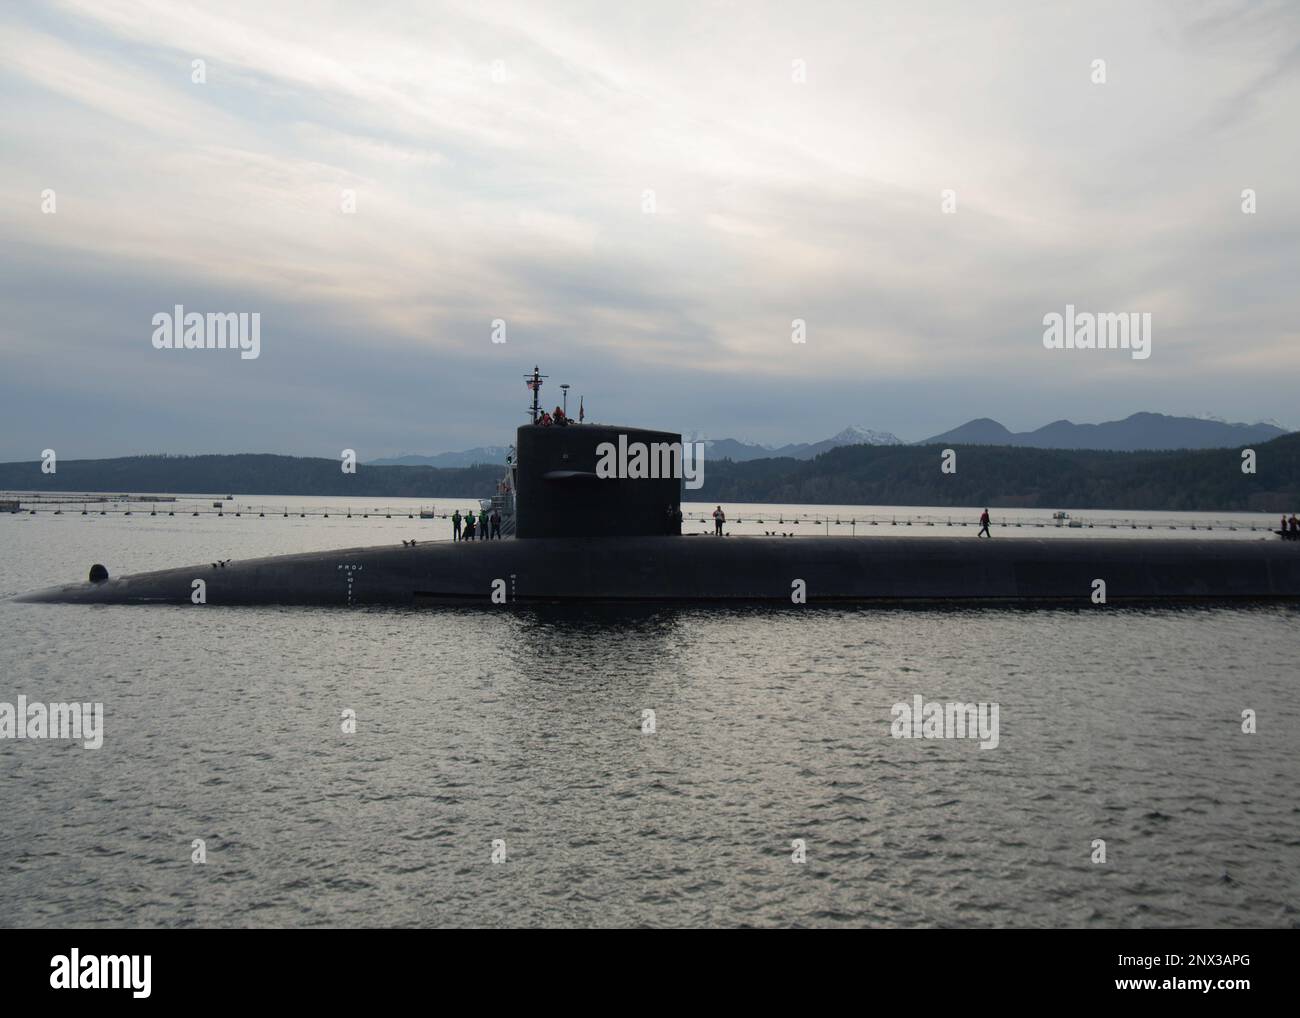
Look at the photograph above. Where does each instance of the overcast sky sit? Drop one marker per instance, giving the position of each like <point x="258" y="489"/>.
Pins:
<point x="501" y="154"/>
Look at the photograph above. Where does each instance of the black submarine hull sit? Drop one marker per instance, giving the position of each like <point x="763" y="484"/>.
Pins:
<point x="724" y="569"/>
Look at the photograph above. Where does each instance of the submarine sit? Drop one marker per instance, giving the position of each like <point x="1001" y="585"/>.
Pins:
<point x="579" y="532"/>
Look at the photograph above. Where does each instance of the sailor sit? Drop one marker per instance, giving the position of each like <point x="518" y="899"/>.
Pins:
<point x="719" y="518"/>
<point x="1295" y="524"/>
<point x="469" y="527"/>
<point x="545" y="420"/>
<point x="559" y="418"/>
<point x="674" y="517"/>
<point x="495" y="519"/>
<point x="455" y="525"/>
<point x="984" y="525"/>
<point x="483" y="525"/>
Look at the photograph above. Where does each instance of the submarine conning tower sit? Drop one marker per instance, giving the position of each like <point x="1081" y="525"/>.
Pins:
<point x="560" y="493"/>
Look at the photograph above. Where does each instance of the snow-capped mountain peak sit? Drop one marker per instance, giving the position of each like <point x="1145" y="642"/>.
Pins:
<point x="855" y="434"/>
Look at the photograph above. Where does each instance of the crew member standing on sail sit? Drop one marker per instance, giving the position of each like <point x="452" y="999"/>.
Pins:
<point x="719" y="518"/>
<point x="495" y="520"/>
<point x="455" y="525"/>
<point x="984" y="525"/>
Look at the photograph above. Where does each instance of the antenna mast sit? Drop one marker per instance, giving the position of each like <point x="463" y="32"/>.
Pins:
<point x="534" y="382"/>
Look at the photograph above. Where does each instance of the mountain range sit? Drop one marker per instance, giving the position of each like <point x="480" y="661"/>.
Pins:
<point x="1139" y="431"/>
<point x="1136" y="432"/>
<point x="741" y="452"/>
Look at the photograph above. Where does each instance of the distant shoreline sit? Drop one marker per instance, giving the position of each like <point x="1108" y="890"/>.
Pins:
<point x="1207" y="480"/>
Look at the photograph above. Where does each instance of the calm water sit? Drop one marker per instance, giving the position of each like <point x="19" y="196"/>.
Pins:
<point x="526" y="726"/>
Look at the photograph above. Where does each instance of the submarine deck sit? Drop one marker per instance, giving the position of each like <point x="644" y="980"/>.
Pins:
<point x="723" y="570"/>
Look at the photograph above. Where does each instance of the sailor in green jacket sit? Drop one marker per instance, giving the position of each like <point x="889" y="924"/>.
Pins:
<point x="455" y="525"/>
